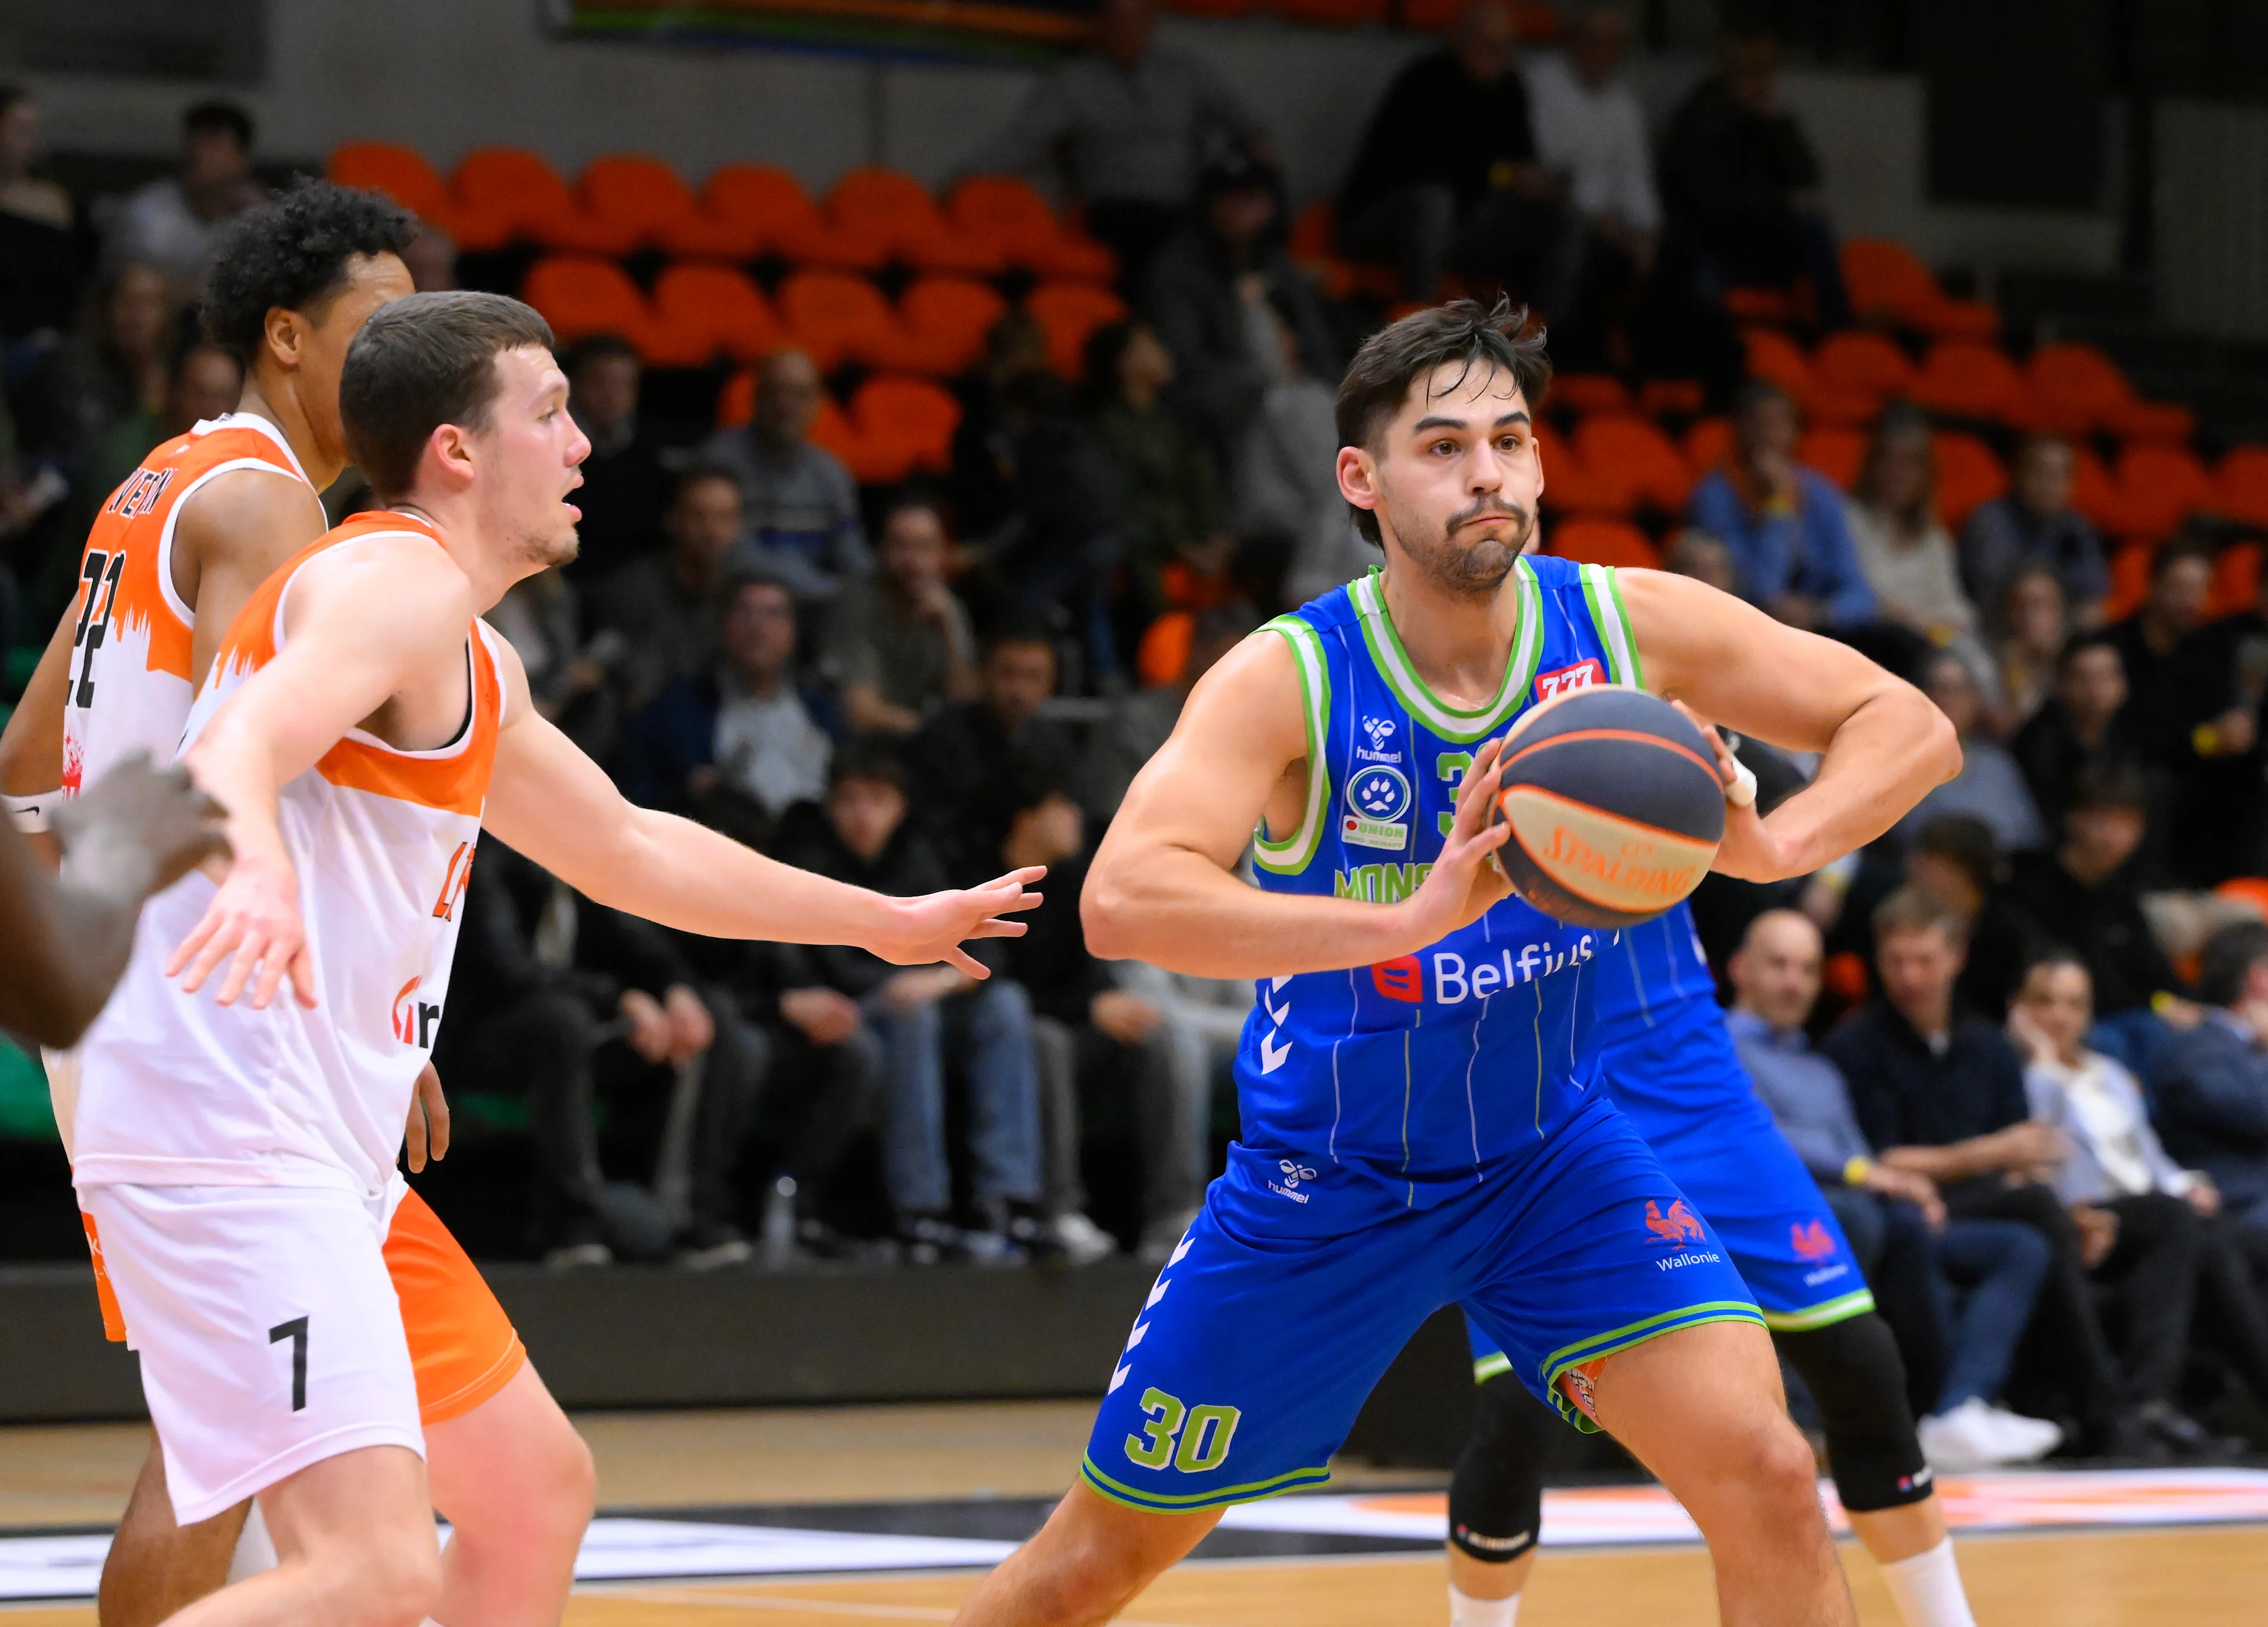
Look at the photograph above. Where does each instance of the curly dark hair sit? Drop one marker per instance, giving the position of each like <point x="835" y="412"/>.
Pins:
<point x="292" y="251"/>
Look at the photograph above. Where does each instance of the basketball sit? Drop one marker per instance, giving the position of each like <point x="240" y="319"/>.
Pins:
<point x="1614" y="804"/>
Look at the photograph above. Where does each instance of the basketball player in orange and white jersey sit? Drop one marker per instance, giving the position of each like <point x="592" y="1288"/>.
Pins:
<point x="361" y="727"/>
<point x="171" y="559"/>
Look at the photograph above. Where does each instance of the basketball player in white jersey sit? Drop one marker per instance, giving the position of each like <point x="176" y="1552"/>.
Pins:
<point x="171" y="559"/>
<point x="235" y="1143"/>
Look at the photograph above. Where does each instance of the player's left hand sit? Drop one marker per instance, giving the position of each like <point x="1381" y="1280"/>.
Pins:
<point x="427" y="1136"/>
<point x="253" y="923"/>
<point x="1748" y="851"/>
<point x="918" y="932"/>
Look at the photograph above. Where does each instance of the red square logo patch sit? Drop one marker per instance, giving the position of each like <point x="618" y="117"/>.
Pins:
<point x="1567" y="680"/>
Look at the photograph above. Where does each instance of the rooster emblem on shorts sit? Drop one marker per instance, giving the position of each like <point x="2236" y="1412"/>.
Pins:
<point x="1812" y="1242"/>
<point x="1680" y="1225"/>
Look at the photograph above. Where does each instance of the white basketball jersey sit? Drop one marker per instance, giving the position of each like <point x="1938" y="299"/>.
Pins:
<point x="176" y="1090"/>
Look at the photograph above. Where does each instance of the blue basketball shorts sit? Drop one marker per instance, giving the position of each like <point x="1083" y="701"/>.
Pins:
<point x="1256" y="1350"/>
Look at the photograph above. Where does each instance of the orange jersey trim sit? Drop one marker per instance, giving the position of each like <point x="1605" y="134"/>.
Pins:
<point x="463" y="1346"/>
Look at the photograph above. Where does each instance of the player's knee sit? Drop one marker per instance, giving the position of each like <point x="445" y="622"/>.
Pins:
<point x="1784" y="1476"/>
<point x="391" y="1581"/>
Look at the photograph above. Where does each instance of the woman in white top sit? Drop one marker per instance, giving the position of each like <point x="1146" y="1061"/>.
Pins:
<point x="1904" y="550"/>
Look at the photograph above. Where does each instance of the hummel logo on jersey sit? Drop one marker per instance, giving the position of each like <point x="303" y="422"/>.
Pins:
<point x="1379" y="730"/>
<point x="1293" y="1174"/>
<point x="1675" y="1227"/>
<point x="1567" y="680"/>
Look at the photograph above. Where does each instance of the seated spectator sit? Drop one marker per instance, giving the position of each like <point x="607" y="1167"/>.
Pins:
<point x="2220" y="826"/>
<point x="982" y="484"/>
<point x="540" y="618"/>
<point x="2210" y="1083"/>
<point x="40" y="268"/>
<point x="969" y="758"/>
<point x="1138" y="723"/>
<point x="1740" y="184"/>
<point x="801" y="504"/>
<point x="898" y="643"/>
<point x="2117" y="1165"/>
<point x="2088" y="893"/>
<point x="736" y="747"/>
<point x="112" y="372"/>
<point x="204" y="382"/>
<point x="547" y="984"/>
<point x="2173" y="687"/>
<point x="2034" y="632"/>
<point x="918" y="1017"/>
<point x="1903" y="549"/>
<point x="1285" y="481"/>
<point x="2035" y="524"/>
<point x="1175" y="513"/>
<point x="1696" y="553"/>
<point x="625" y="489"/>
<point x="1942" y="1094"/>
<point x="174" y="224"/>
<point x="2084" y="725"/>
<point x="1956" y="862"/>
<point x="1446" y="176"/>
<point x="661" y="608"/>
<point x="1989" y="786"/>
<point x="431" y="259"/>
<point x="1894" y="1217"/>
<point x="1209" y="296"/>
<point x="1129" y="126"/>
<point x="1783" y="522"/>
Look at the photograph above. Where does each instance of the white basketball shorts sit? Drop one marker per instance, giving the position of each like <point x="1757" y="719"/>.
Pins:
<point x="269" y="1334"/>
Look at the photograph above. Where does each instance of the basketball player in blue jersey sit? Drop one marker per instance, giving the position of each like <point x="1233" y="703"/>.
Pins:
<point x="1419" y="1121"/>
<point x="1668" y="1064"/>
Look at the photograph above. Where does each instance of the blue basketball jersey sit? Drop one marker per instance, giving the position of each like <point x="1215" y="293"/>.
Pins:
<point x="1395" y="1086"/>
<point x="1655" y="971"/>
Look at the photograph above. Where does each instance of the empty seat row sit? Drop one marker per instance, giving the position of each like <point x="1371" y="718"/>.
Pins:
<point x="698" y="312"/>
<point x="619" y="205"/>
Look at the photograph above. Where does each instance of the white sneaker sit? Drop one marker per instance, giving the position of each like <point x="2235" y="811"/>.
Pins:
<point x="2029" y="1440"/>
<point x="1081" y="1240"/>
<point x="1967" y="1438"/>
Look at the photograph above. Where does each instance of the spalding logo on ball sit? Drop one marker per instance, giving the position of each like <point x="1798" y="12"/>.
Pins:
<point x="1614" y="804"/>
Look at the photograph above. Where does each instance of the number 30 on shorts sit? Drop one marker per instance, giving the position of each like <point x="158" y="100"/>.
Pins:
<point x="1193" y="1440"/>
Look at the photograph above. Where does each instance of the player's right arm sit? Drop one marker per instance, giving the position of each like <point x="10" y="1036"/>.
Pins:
<point x="31" y="746"/>
<point x="1163" y="888"/>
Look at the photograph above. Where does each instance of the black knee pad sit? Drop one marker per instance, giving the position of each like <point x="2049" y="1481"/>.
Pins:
<point x="1495" y="1501"/>
<point x="1855" y="1373"/>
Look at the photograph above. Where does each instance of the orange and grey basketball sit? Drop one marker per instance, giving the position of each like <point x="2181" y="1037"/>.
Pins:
<point x="1614" y="805"/>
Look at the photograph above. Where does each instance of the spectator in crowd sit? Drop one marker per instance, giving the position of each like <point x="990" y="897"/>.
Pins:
<point x="1127" y="127"/>
<point x="970" y="757"/>
<point x="2035" y="523"/>
<point x="1591" y="134"/>
<point x="202" y="382"/>
<point x="1214" y="292"/>
<point x="1058" y="559"/>
<point x="2158" y="648"/>
<point x="1174" y="511"/>
<point x="430" y="257"/>
<point x="546" y="983"/>
<point x="625" y="489"/>
<point x="172" y="223"/>
<point x="540" y="618"/>
<point x="1703" y="557"/>
<point x="2221" y="824"/>
<point x="1783" y="522"/>
<point x="919" y="1016"/>
<point x="736" y="747"/>
<point x="801" y="503"/>
<point x="1285" y="479"/>
<point x="1740" y="184"/>
<point x="2083" y="725"/>
<point x="1903" y="549"/>
<point x="2034" y="632"/>
<point x="2118" y="1165"/>
<point x="2087" y="892"/>
<point x="898" y="643"/>
<point x="982" y="481"/>
<point x="40" y="268"/>
<point x="2210" y="1083"/>
<point x="661" y="608"/>
<point x="1137" y="724"/>
<point x="1446" y="177"/>
<point x="1894" y="1217"/>
<point x="112" y="370"/>
<point x="1942" y="1094"/>
<point x="1989" y="786"/>
<point x="1956" y="862"/>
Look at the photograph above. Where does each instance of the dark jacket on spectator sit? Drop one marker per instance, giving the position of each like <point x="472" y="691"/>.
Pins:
<point x="1907" y="1096"/>
<point x="965" y="775"/>
<point x="2003" y="533"/>
<point x="904" y="868"/>
<point x="2103" y="923"/>
<point x="1193" y="304"/>
<point x="625" y="492"/>
<point x="1725" y="170"/>
<point x="1051" y="959"/>
<point x="1436" y="126"/>
<point x="2211" y="1083"/>
<point x="2052" y="757"/>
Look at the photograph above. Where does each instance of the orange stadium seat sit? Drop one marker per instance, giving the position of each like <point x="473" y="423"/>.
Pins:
<point x="1965" y="378"/>
<point x="2242" y="479"/>
<point x="2076" y="389"/>
<point x="2154" y="490"/>
<point x="1011" y="217"/>
<point x="1589" y="392"/>
<point x="580" y="295"/>
<point x="1313" y="234"/>
<point x="1658" y="396"/>
<point x="2235" y="579"/>
<point x="1067" y="313"/>
<point x="831" y="430"/>
<point x="712" y="308"/>
<point x="1968" y="475"/>
<point x="1601" y="541"/>
<point x="2090" y="485"/>
<point x="1834" y="450"/>
<point x="640" y="197"/>
<point x="838" y="317"/>
<point x="907" y="424"/>
<point x="1864" y="364"/>
<point x="945" y="320"/>
<point x="1708" y="443"/>
<point x="2130" y="581"/>
<point x="1641" y="455"/>
<point x="400" y="172"/>
<point x="515" y="192"/>
<point x="774" y="215"/>
<point x="1772" y="355"/>
<point x="1573" y="486"/>
<point x="1330" y="13"/>
<point x="1888" y="283"/>
<point x="894" y="213"/>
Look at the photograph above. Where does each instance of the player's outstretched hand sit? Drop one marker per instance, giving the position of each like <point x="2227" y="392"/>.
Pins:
<point x="139" y="829"/>
<point x="932" y="928"/>
<point x="253" y="923"/>
<point x="1466" y="879"/>
<point x="427" y="1134"/>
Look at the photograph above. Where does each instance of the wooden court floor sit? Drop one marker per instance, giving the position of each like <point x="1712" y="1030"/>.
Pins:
<point x="2199" y="1576"/>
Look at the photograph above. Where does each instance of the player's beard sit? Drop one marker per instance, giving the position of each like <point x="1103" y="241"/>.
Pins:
<point x="1462" y="570"/>
<point x="545" y="549"/>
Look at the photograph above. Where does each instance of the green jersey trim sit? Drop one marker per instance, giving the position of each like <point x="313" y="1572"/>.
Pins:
<point x="1602" y="592"/>
<point x="1824" y="1315"/>
<point x="1291" y="855"/>
<point x="1155" y="1503"/>
<point x="1394" y="664"/>
<point x="1487" y="1367"/>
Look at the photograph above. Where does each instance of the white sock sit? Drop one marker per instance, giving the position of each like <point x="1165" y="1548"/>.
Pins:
<point x="1927" y="1589"/>
<point x="254" y="1551"/>
<point x="1467" y="1611"/>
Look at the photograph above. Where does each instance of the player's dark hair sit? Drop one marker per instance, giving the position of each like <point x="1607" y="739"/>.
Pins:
<point x="2227" y="961"/>
<point x="1909" y="909"/>
<point x="290" y="253"/>
<point x="700" y="474"/>
<point x="1967" y="843"/>
<point x="867" y="757"/>
<point x="914" y="496"/>
<point x="219" y="116"/>
<point x="2114" y="783"/>
<point x="740" y="578"/>
<point x="1759" y="393"/>
<point x="1400" y="354"/>
<point x="2048" y="957"/>
<point x="2079" y="644"/>
<point x="1018" y="630"/>
<point x="2172" y="553"/>
<point x="423" y="362"/>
